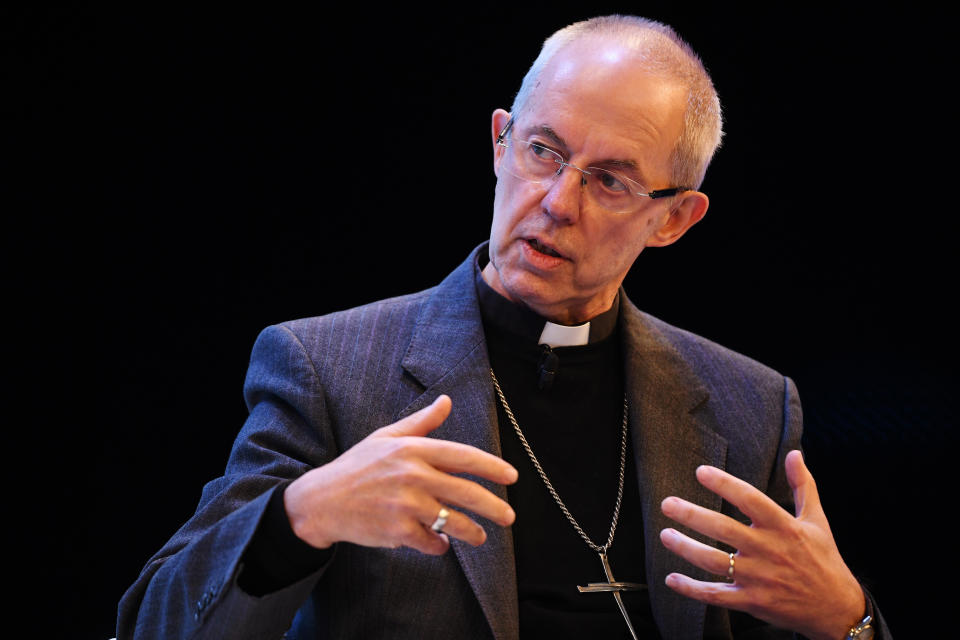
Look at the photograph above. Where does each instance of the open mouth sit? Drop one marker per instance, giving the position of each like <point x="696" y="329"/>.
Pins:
<point x="542" y="248"/>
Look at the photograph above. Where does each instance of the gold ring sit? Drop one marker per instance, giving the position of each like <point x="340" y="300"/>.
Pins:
<point x="731" y="569"/>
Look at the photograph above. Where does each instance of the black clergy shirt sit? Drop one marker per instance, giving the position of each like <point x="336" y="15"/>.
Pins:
<point x="574" y="427"/>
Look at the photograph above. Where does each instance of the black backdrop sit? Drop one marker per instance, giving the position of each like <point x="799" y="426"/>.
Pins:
<point x="178" y="179"/>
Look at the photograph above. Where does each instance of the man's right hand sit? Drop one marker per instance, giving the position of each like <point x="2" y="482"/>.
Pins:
<point x="387" y="489"/>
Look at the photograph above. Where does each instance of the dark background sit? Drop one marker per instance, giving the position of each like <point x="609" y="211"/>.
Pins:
<point x="177" y="179"/>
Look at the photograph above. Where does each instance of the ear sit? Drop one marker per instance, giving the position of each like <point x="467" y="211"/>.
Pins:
<point x="497" y="123"/>
<point x="686" y="212"/>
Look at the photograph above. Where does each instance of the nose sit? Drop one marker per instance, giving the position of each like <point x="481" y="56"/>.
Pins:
<point x="563" y="199"/>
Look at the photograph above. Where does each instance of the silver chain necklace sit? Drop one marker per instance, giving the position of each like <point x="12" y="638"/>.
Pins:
<point x="546" y="480"/>
<point x="611" y="585"/>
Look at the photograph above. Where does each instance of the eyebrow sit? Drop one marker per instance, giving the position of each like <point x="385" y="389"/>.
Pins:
<point x="549" y="132"/>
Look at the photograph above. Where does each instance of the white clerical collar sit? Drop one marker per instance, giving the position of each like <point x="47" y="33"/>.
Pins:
<point x="559" y="335"/>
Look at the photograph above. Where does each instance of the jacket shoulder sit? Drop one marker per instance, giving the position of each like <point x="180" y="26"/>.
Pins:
<point x="398" y="310"/>
<point x="390" y="318"/>
<point x="711" y="359"/>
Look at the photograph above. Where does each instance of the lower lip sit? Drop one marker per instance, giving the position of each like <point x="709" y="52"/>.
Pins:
<point x="538" y="259"/>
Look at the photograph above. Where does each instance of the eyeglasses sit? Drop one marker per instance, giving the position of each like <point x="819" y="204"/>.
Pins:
<point x="533" y="161"/>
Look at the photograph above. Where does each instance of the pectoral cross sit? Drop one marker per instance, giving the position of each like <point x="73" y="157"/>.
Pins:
<point x="614" y="587"/>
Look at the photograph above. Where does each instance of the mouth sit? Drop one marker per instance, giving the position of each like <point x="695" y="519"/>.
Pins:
<point x="536" y="245"/>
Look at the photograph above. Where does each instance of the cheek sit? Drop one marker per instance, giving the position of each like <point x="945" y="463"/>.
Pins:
<point x="498" y="209"/>
<point x="621" y="246"/>
<point x="509" y="202"/>
<point x="652" y="224"/>
<point x="500" y="225"/>
<point x="631" y="239"/>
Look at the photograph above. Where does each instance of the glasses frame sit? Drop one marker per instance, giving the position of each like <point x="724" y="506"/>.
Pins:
<point x="653" y="195"/>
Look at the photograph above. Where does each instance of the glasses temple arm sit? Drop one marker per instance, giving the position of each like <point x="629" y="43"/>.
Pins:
<point x="665" y="193"/>
<point x="503" y="133"/>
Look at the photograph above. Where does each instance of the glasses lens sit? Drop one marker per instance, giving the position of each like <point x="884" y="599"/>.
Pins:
<point x="612" y="191"/>
<point x="531" y="161"/>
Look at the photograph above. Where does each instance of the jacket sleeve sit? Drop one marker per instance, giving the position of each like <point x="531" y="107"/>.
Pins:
<point x="189" y="589"/>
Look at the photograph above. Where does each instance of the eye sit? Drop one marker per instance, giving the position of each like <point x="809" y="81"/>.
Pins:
<point x="610" y="181"/>
<point x="543" y="153"/>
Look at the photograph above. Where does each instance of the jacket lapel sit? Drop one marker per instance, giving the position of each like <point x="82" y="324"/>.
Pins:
<point x="673" y="433"/>
<point x="448" y="355"/>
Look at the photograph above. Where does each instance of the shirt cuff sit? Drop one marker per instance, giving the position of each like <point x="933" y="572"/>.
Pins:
<point x="276" y="557"/>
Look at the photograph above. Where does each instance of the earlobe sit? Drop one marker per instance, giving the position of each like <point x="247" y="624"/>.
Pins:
<point x="686" y="212"/>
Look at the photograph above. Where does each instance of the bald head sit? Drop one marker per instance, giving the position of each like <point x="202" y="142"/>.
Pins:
<point x="659" y="51"/>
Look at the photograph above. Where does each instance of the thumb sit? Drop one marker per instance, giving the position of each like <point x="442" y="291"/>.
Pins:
<point x="420" y="423"/>
<point x="806" y="498"/>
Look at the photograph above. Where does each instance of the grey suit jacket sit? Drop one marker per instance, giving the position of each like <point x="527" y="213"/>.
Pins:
<point x="317" y="386"/>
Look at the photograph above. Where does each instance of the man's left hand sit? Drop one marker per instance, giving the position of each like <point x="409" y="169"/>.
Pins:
<point x="787" y="570"/>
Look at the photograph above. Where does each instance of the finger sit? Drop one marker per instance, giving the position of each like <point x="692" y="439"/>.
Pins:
<point x="805" y="494"/>
<point x="419" y="423"/>
<point x="710" y="523"/>
<point x="456" y="457"/>
<point x="452" y="457"/>
<point x="753" y="503"/>
<point x="423" y="539"/>
<point x="704" y="556"/>
<point x="471" y="496"/>
<point x="722" y="594"/>
<point x="458" y="525"/>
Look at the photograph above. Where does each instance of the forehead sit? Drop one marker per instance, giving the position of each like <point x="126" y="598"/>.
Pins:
<point x="601" y="94"/>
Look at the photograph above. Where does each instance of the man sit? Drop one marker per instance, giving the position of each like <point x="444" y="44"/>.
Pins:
<point x="528" y="391"/>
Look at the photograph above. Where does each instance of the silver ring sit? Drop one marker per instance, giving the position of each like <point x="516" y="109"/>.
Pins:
<point x="731" y="569"/>
<point x="441" y="520"/>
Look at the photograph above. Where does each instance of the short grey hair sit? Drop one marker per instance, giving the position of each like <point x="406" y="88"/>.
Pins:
<point x="664" y="53"/>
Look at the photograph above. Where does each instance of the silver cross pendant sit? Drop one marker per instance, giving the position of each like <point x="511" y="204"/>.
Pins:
<point x="614" y="587"/>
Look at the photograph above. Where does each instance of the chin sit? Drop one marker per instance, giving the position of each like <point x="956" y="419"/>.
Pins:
<point x="532" y="292"/>
<point x="528" y="287"/>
